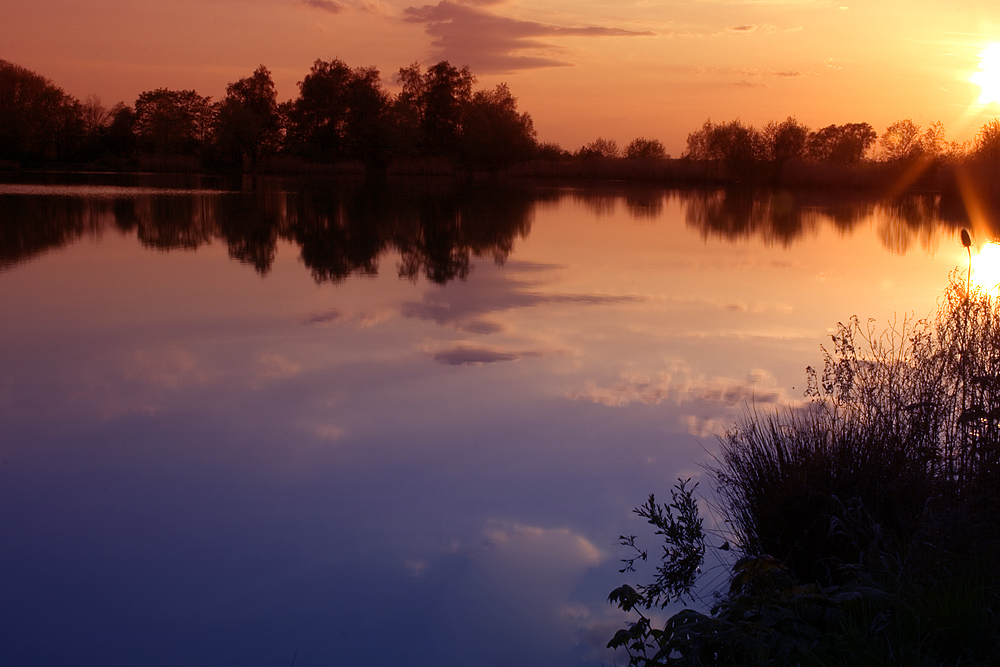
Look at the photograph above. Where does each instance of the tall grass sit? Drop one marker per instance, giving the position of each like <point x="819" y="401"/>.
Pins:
<point x="868" y="519"/>
<point x="903" y="428"/>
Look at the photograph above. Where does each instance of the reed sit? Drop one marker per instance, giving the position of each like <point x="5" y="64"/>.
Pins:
<point x="867" y="522"/>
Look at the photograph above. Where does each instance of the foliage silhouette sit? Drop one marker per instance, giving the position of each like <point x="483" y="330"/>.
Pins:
<point x="600" y="147"/>
<point x="343" y="119"/>
<point x="247" y="123"/>
<point x="173" y="122"/>
<point x="645" y="149"/>
<point x="866" y="520"/>
<point x="494" y="134"/>
<point x="786" y="140"/>
<point x="38" y="121"/>
<point x="841" y="144"/>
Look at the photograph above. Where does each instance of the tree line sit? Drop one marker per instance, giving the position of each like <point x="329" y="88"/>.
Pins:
<point x="903" y="141"/>
<point x="341" y="114"/>
<point x="345" y="114"/>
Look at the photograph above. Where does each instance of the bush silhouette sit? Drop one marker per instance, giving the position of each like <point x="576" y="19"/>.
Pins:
<point x="866" y="519"/>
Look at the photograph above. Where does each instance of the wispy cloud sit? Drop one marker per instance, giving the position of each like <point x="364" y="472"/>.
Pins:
<point x="678" y="387"/>
<point x="325" y="317"/>
<point x="468" y="34"/>
<point x="752" y="72"/>
<point x="467" y="355"/>
<point x="476" y="355"/>
<point x="324" y="5"/>
<point x="172" y="369"/>
<point x="465" y="309"/>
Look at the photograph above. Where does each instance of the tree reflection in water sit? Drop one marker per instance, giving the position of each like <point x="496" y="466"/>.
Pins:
<point x="345" y="228"/>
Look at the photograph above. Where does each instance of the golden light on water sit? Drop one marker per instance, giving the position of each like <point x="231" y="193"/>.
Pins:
<point x="986" y="267"/>
<point x="988" y="76"/>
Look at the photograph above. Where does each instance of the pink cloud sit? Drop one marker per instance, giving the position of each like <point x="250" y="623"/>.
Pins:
<point x="490" y="43"/>
<point x="324" y="5"/>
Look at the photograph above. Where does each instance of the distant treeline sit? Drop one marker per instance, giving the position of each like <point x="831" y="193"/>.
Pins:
<point x="343" y="118"/>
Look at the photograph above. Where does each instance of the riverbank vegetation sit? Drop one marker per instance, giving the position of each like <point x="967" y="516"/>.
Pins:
<point x="344" y="120"/>
<point x="864" y="526"/>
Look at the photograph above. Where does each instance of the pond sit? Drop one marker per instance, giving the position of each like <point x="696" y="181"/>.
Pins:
<point x="316" y="422"/>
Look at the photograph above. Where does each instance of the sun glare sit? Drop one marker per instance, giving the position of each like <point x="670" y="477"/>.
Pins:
<point x="986" y="267"/>
<point x="988" y="76"/>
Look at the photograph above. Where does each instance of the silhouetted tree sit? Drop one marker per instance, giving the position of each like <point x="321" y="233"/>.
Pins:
<point x="447" y="91"/>
<point x="494" y="134"/>
<point x="986" y="146"/>
<point x="118" y="138"/>
<point x="551" y="151"/>
<point x="599" y="147"/>
<point x="901" y="141"/>
<point x="785" y="140"/>
<point x="698" y="143"/>
<point x="934" y="142"/>
<point x="406" y="111"/>
<point x="95" y="116"/>
<point x="339" y="114"/>
<point x="318" y="118"/>
<point x="843" y="144"/>
<point x="732" y="142"/>
<point x="645" y="149"/>
<point x="174" y="122"/>
<point x="367" y="120"/>
<point x="38" y="121"/>
<point x="247" y="124"/>
<point x="736" y="143"/>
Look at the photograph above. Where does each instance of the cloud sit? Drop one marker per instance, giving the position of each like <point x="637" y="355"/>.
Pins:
<point x="703" y="428"/>
<point x="171" y="368"/>
<point x="747" y="73"/>
<point x="329" y="432"/>
<point x="363" y="319"/>
<point x="415" y="567"/>
<point x="463" y="307"/>
<point x="470" y="355"/>
<point x="275" y="367"/>
<point x="759" y="387"/>
<point x="466" y="34"/>
<point x="326" y="317"/>
<point x="467" y="355"/>
<point x="480" y="327"/>
<point x="539" y="548"/>
<point x="324" y="5"/>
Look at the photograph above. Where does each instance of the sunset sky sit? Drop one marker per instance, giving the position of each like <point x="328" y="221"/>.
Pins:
<point x="617" y="70"/>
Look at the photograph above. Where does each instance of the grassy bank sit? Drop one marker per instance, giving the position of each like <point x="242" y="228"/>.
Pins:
<point x="865" y="525"/>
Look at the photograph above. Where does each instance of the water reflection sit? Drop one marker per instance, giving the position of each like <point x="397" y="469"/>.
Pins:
<point x="346" y="228"/>
<point x="783" y="217"/>
<point x="227" y="468"/>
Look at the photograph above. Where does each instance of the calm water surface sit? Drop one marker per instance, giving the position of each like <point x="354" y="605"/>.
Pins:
<point x="330" y="423"/>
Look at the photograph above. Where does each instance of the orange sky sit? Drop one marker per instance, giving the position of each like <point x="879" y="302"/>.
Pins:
<point x="582" y="69"/>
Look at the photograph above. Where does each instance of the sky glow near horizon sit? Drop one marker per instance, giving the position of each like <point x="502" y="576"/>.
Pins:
<point x="583" y="70"/>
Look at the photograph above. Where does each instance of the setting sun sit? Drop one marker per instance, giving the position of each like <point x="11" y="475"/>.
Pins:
<point x="986" y="267"/>
<point x="988" y="76"/>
